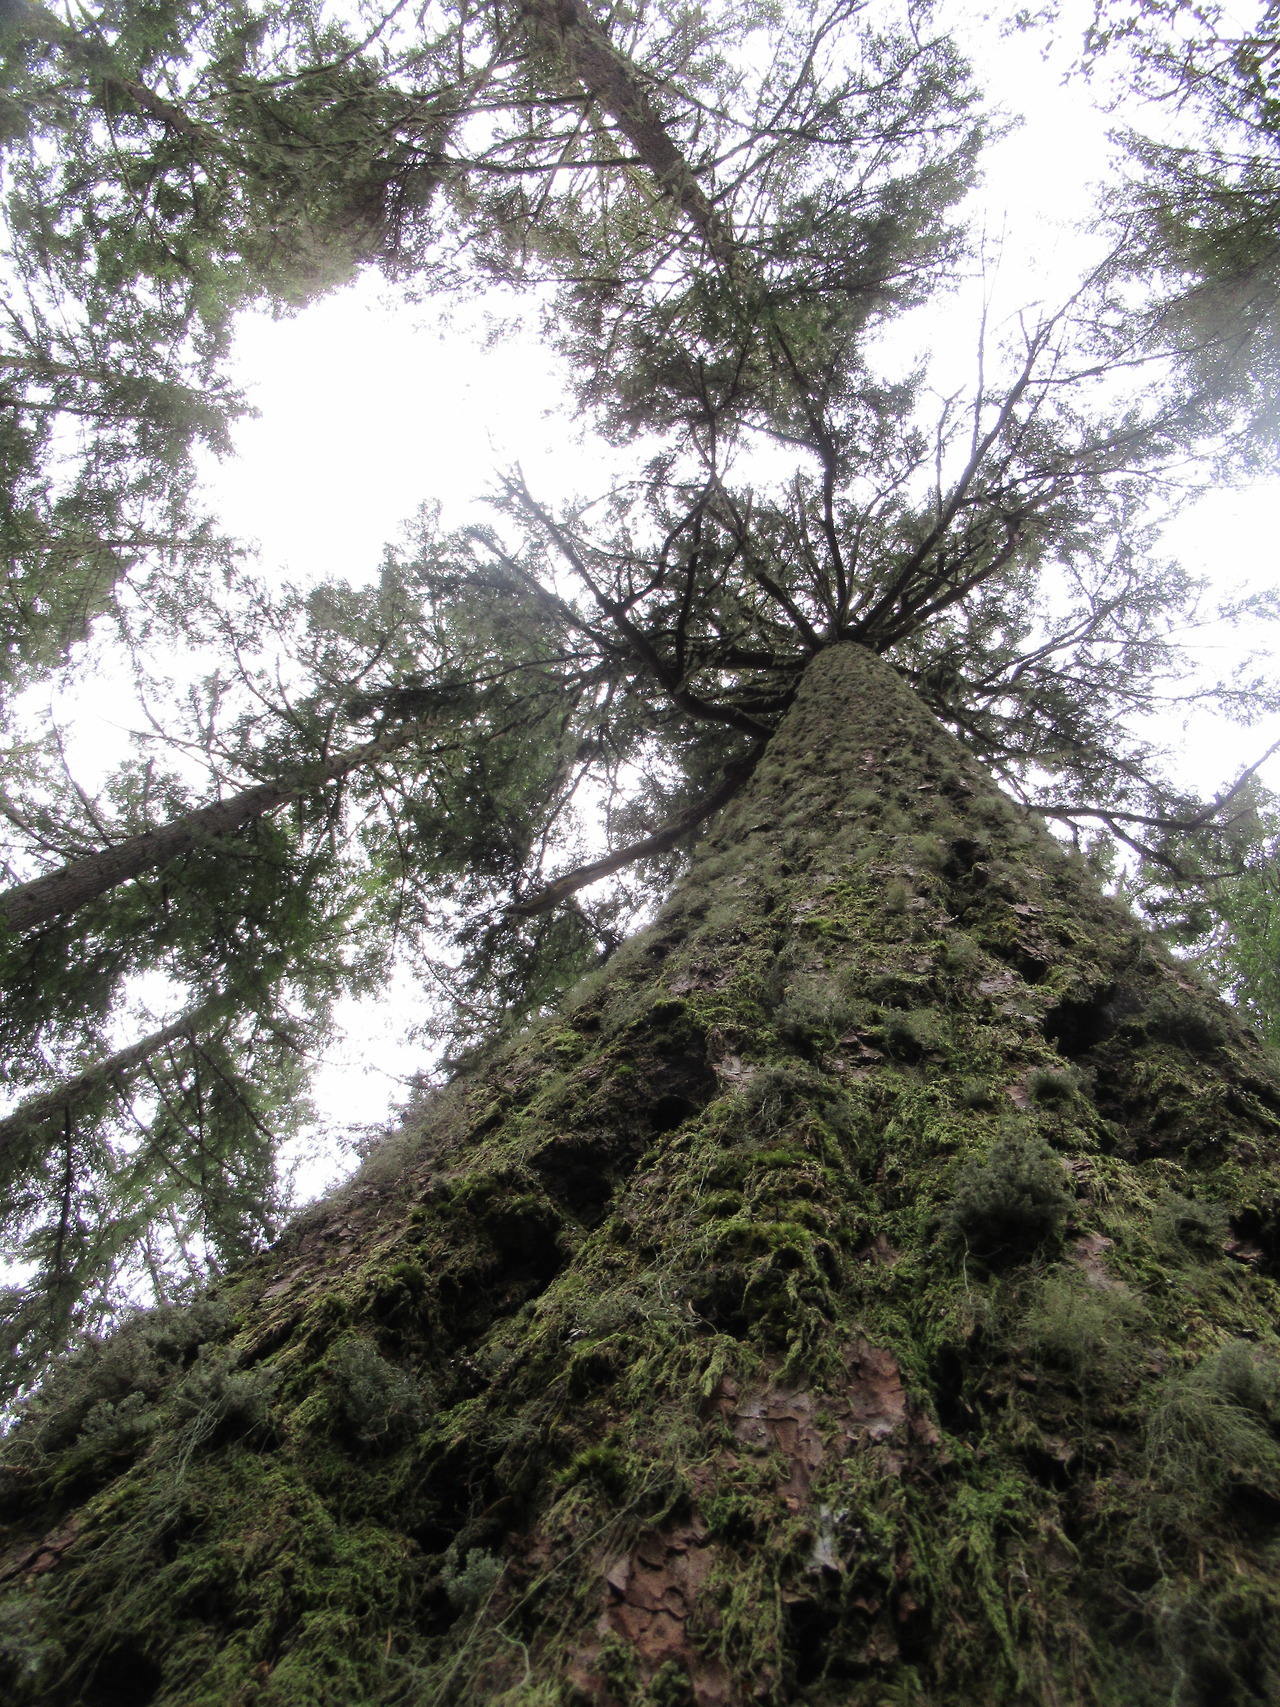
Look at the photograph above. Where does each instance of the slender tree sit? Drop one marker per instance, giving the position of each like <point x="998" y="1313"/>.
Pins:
<point x="115" y="1070"/>
<point x="144" y="1174"/>
<point x="28" y="905"/>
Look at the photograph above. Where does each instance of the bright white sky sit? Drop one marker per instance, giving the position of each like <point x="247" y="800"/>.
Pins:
<point x="366" y="409"/>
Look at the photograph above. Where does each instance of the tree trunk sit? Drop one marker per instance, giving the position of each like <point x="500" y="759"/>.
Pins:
<point x="861" y="1292"/>
<point x="578" y="42"/>
<point x="28" y="905"/>
<point x="115" y="1070"/>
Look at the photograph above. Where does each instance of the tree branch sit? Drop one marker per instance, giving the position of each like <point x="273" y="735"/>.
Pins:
<point x="1157" y="821"/>
<point x="542" y="900"/>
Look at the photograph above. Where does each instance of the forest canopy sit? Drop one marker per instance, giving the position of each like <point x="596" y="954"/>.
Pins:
<point x="480" y="767"/>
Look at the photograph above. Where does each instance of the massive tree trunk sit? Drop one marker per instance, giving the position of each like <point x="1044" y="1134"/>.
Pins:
<point x="861" y="1292"/>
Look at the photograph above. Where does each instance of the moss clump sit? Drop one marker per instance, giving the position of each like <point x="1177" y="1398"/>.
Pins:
<point x="815" y="1008"/>
<point x="670" y="1687"/>
<point x="1053" y="1086"/>
<point x="219" y="1400"/>
<point x="1223" y="1647"/>
<point x="120" y="1425"/>
<point x="1008" y="1205"/>
<point x="1181" y="1224"/>
<point x="1213" y="1431"/>
<point x="1092" y="1332"/>
<point x="975" y="1094"/>
<point x="140" y="1358"/>
<point x="602" y="1465"/>
<point x="374" y="1403"/>
<point x="24" y="1652"/>
<point x="961" y="953"/>
<point x="1191" y="1025"/>
<point x="97" y="1409"/>
<point x="910" y="1036"/>
<point x="113" y="1434"/>
<point x="470" y="1584"/>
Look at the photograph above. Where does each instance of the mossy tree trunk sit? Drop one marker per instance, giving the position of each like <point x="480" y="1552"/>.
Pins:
<point x="861" y="1292"/>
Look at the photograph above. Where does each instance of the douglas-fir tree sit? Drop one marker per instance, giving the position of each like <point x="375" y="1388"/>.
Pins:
<point x="860" y="1290"/>
<point x="859" y="1287"/>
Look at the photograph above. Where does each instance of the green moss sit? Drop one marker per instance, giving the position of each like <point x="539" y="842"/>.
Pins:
<point x="1183" y="1225"/>
<point x="470" y="1584"/>
<point x="822" y="925"/>
<point x="218" y="1399"/>
<point x="374" y="1404"/>
<point x="975" y="1094"/>
<point x="1052" y="1086"/>
<point x="1222" y="1646"/>
<point x="565" y="1045"/>
<point x="1011" y="1203"/>
<point x="403" y="1276"/>
<point x="909" y="1036"/>
<point x="1212" y="1431"/>
<point x="603" y="1466"/>
<point x="1094" y="1333"/>
<point x="780" y="1156"/>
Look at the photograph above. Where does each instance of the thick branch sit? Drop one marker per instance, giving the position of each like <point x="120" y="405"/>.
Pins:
<point x="902" y="580"/>
<point x="1155" y="820"/>
<point x="639" y="643"/>
<point x="659" y="842"/>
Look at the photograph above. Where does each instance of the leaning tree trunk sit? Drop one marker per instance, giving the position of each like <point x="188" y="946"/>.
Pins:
<point x="93" y="875"/>
<point x="860" y="1293"/>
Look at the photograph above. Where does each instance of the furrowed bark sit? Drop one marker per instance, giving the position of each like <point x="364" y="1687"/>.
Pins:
<point x="863" y="1290"/>
<point x="29" y="905"/>
<point x="115" y="1070"/>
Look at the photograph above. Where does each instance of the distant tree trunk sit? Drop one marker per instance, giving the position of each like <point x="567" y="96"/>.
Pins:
<point x="28" y="905"/>
<point x="550" y="896"/>
<point x="572" y="33"/>
<point x="113" y="1071"/>
<point x="862" y="1291"/>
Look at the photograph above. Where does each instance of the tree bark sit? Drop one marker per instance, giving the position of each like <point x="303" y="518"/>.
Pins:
<point x="29" y="905"/>
<point x="863" y="1290"/>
